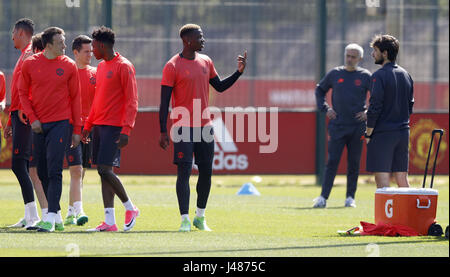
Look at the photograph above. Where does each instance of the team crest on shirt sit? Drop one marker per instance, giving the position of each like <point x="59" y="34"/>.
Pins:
<point x="204" y="70"/>
<point x="109" y="74"/>
<point x="341" y="80"/>
<point x="92" y="80"/>
<point x="60" y="72"/>
<point x="357" y="82"/>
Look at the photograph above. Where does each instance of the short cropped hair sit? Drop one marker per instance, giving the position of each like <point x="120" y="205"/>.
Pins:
<point x="47" y="35"/>
<point x="25" y="24"/>
<point x="357" y="47"/>
<point x="188" y="28"/>
<point x="104" y="35"/>
<point x="36" y="42"/>
<point x="386" y="43"/>
<point x="78" y="42"/>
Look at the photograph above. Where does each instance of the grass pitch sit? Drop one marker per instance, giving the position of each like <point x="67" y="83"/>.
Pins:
<point x="279" y="223"/>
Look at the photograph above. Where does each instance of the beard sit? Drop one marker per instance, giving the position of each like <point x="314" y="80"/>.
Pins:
<point x="379" y="61"/>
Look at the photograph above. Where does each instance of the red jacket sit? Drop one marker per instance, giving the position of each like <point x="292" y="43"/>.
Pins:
<point x="115" y="101"/>
<point x="49" y="90"/>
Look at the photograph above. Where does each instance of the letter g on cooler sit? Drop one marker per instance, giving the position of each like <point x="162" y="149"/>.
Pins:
<point x="389" y="208"/>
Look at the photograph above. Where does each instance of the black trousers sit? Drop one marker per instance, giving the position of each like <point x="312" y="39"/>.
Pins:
<point x="352" y="137"/>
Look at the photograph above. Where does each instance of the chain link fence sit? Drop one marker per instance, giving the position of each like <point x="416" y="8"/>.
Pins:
<point x="279" y="35"/>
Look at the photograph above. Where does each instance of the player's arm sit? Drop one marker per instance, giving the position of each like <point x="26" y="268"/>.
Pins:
<point x="89" y="122"/>
<point x="2" y="92"/>
<point x="222" y="85"/>
<point x="321" y="91"/>
<point x="166" y="94"/>
<point x="129" y="85"/>
<point x="75" y="103"/>
<point x="375" y="103"/>
<point x="24" y="85"/>
<point x="411" y="96"/>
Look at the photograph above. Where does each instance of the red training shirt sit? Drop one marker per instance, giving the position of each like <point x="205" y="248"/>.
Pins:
<point x="116" y="100"/>
<point x="50" y="90"/>
<point x="2" y="89"/>
<point x="15" y="101"/>
<point x="190" y="81"/>
<point x="87" y="83"/>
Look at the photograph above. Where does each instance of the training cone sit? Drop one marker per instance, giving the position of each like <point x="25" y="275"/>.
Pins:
<point x="248" y="189"/>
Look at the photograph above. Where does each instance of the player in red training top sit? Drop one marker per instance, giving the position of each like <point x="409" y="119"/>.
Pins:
<point x="49" y="91"/>
<point x="2" y="96"/>
<point x="18" y="128"/>
<point x="111" y="119"/>
<point x="186" y="77"/>
<point x="36" y="45"/>
<point x="79" y="158"/>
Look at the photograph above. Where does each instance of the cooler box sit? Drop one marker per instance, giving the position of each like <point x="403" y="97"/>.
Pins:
<point x="412" y="207"/>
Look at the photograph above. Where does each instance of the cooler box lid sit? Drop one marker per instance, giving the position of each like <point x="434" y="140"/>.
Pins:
<point x="407" y="191"/>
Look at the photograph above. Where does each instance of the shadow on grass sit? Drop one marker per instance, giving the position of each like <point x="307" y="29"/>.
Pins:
<point x="5" y="230"/>
<point x="217" y="251"/>
<point x="318" y="209"/>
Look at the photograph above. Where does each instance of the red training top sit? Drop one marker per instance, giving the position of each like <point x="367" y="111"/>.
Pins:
<point x="116" y="101"/>
<point x="15" y="101"/>
<point x="87" y="84"/>
<point x="50" y="90"/>
<point x="190" y="82"/>
<point x="2" y="89"/>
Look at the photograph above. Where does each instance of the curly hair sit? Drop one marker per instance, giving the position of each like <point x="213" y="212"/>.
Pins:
<point x="104" y="35"/>
<point x="386" y="43"/>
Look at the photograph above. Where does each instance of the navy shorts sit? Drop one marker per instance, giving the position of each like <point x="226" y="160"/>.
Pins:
<point x="73" y="155"/>
<point x="104" y="145"/>
<point x="388" y="151"/>
<point x="21" y="138"/>
<point x="193" y="142"/>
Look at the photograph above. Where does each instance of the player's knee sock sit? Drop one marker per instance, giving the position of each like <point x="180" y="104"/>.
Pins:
<point x="182" y="187"/>
<point x="203" y="185"/>
<point x="20" y="169"/>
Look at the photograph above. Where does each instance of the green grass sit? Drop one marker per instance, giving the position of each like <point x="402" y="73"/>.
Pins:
<point x="279" y="223"/>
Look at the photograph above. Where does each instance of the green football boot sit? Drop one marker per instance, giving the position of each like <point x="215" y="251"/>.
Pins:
<point x="185" y="226"/>
<point x="82" y="219"/>
<point x="200" y="223"/>
<point x="70" y="220"/>
<point x="59" y="226"/>
<point x="46" y="227"/>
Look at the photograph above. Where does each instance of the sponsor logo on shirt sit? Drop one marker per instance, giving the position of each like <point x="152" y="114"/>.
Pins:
<point x="357" y="82"/>
<point x="60" y="72"/>
<point x="92" y="80"/>
<point x="341" y="80"/>
<point x="109" y="74"/>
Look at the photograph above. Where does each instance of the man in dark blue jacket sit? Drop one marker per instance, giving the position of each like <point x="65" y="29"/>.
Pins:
<point x="391" y="104"/>
<point x="347" y="116"/>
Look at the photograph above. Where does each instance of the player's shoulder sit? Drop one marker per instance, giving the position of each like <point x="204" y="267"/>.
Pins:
<point x="337" y="69"/>
<point x="364" y="71"/>
<point x="204" y="57"/>
<point x="91" y="69"/>
<point x="33" y="58"/>
<point x="68" y="60"/>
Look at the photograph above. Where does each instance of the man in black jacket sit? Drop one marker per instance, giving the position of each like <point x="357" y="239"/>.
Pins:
<point x="391" y="104"/>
